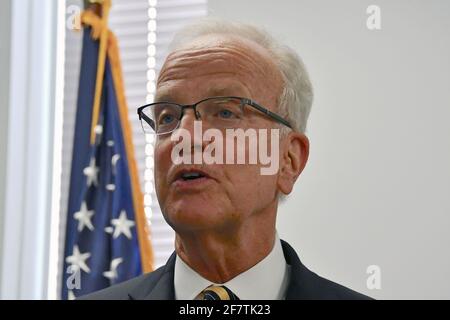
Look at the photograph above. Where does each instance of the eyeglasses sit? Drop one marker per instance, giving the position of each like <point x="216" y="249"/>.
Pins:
<point x="219" y="112"/>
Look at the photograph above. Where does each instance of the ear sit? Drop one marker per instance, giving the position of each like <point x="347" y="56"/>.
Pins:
<point x="293" y="160"/>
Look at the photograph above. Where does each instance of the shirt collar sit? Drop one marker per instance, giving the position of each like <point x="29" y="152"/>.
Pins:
<point x="267" y="280"/>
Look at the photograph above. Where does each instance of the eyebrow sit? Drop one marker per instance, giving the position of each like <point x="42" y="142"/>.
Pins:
<point x="165" y="96"/>
<point x="223" y="91"/>
<point x="232" y="90"/>
<point x="162" y="98"/>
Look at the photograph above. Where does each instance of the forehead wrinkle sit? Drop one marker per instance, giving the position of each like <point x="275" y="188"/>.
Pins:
<point x="215" y="88"/>
<point x="180" y="63"/>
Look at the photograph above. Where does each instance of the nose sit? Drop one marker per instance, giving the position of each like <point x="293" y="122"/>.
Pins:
<point x="187" y="121"/>
<point x="195" y="137"/>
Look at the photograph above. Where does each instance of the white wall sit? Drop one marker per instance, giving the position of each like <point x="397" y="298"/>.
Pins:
<point x="376" y="188"/>
<point x="5" y="29"/>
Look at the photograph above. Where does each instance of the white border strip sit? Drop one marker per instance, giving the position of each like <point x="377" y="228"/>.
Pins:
<point x="52" y="291"/>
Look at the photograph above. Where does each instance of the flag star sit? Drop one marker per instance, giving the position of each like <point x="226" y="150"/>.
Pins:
<point x="91" y="173"/>
<point x="109" y="230"/>
<point x="122" y="225"/>
<point x="110" y="187"/>
<point x="114" y="160"/>
<point x="110" y="143"/>
<point x="78" y="260"/>
<point x="84" y="217"/>
<point x="98" y="129"/>
<point x="112" y="273"/>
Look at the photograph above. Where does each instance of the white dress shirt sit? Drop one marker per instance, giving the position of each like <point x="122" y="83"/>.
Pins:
<point x="267" y="280"/>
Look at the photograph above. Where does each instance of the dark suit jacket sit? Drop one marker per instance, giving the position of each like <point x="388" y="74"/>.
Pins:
<point x="158" y="285"/>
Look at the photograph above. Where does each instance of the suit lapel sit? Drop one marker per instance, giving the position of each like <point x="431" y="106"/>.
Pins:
<point x="300" y="284"/>
<point x="161" y="288"/>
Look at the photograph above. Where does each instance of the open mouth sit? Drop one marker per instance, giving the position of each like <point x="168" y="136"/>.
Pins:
<point x="187" y="176"/>
<point x="191" y="179"/>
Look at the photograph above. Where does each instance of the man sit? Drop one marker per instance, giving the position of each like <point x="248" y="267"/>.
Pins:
<point x="228" y="76"/>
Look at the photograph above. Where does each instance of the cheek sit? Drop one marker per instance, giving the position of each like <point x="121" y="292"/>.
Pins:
<point x="247" y="185"/>
<point x="163" y="162"/>
<point x="248" y="188"/>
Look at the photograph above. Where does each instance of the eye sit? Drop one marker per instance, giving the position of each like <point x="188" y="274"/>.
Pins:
<point x="166" y="119"/>
<point x="226" y="114"/>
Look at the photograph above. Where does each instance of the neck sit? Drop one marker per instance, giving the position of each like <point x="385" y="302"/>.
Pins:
<point x="219" y="256"/>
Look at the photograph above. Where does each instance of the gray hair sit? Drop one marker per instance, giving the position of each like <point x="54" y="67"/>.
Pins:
<point x="297" y="96"/>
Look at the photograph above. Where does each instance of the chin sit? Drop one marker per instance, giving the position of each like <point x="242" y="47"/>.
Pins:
<point x="194" y="213"/>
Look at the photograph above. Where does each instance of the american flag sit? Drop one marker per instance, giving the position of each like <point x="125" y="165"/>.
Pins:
<point x="106" y="236"/>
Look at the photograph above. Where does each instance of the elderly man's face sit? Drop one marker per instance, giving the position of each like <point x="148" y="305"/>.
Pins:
<point x="231" y="193"/>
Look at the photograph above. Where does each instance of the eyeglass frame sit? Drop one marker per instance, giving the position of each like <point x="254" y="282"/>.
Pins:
<point x="244" y="101"/>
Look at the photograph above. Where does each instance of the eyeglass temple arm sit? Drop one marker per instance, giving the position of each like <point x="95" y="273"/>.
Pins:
<point x="268" y="112"/>
<point x="144" y="116"/>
